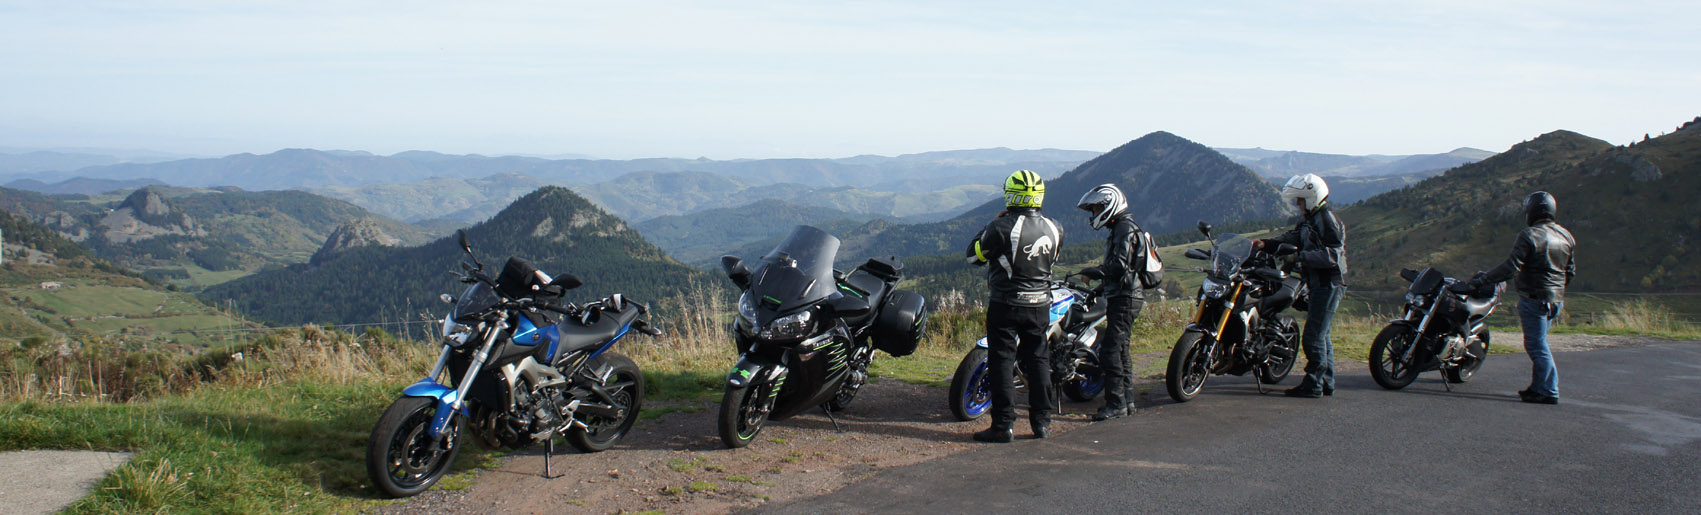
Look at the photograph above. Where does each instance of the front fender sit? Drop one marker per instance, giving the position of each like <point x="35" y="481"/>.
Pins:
<point x="752" y="370"/>
<point x="445" y="396"/>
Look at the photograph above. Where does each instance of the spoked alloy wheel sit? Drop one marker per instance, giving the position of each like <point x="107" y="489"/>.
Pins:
<point x="1276" y="368"/>
<point x="1188" y="367"/>
<point x="743" y="412"/>
<point x="1387" y="366"/>
<point x="1084" y="388"/>
<point x="626" y="387"/>
<point x="402" y="459"/>
<point x="1462" y="373"/>
<point x="971" y="387"/>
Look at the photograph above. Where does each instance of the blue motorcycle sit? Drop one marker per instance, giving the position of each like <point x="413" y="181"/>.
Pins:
<point x="1073" y="334"/>
<point x="519" y="367"/>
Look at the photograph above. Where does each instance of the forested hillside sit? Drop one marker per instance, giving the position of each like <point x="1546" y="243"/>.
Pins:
<point x="555" y="229"/>
<point x="1631" y="209"/>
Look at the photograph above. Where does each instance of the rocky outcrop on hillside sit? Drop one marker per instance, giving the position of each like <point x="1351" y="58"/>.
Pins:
<point x="355" y="234"/>
<point x="145" y="214"/>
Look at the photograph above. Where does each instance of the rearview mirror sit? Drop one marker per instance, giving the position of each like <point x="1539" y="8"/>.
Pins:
<point x="1285" y="249"/>
<point x="461" y="236"/>
<point x="567" y="281"/>
<point x="735" y="270"/>
<point x="1205" y="229"/>
<point x="1198" y="254"/>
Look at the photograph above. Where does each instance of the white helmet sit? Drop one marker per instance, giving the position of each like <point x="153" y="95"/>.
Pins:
<point x="1309" y="188"/>
<point x="1102" y="204"/>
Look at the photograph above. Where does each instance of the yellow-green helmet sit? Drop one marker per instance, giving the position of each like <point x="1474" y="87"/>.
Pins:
<point x="1024" y="189"/>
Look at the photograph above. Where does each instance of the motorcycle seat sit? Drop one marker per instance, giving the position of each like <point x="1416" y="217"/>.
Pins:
<point x="576" y="336"/>
<point x="871" y="286"/>
<point x="1097" y="310"/>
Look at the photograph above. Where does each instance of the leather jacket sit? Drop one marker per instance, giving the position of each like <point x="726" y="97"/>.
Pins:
<point x="1541" y="260"/>
<point x="1018" y="249"/>
<point x="1322" y="241"/>
<point x="1121" y="260"/>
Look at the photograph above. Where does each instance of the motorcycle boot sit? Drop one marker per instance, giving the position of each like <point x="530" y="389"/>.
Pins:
<point x="1041" y="424"/>
<point x="1108" y="412"/>
<point x="996" y="434"/>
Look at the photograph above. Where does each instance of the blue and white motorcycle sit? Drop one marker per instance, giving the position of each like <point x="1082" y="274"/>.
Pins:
<point x="518" y="367"/>
<point x="1073" y="334"/>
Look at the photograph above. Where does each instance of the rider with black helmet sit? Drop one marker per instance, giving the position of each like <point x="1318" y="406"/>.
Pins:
<point x="1106" y="206"/>
<point x="1543" y="265"/>
<point x="1018" y="249"/>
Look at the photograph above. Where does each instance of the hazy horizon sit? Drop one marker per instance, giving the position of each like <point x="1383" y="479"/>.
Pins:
<point x="813" y="80"/>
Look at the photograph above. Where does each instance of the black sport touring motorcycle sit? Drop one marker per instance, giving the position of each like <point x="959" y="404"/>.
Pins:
<point x="1442" y="330"/>
<point x="806" y="333"/>
<point x="520" y="369"/>
<point x="1238" y="326"/>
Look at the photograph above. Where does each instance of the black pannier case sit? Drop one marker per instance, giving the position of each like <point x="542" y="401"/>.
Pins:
<point x="901" y="323"/>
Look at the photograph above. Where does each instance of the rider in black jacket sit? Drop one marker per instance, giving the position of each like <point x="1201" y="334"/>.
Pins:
<point x="1543" y="264"/>
<point x="1107" y="207"/>
<point x="1322" y="260"/>
<point x="1018" y="248"/>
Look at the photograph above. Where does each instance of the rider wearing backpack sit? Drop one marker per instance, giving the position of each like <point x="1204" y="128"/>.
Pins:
<point x="1127" y="267"/>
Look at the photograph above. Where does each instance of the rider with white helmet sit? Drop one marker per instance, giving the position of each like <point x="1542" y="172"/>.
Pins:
<point x="1322" y="261"/>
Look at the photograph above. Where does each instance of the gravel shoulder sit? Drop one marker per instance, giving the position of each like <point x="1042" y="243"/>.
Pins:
<point x="676" y="462"/>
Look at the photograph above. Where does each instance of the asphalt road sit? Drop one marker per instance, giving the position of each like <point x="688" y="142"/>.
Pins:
<point x="1626" y="437"/>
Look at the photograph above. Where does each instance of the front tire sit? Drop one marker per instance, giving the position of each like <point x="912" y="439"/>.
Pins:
<point x="626" y="386"/>
<point x="971" y="387"/>
<point x="743" y="412"/>
<point x="402" y="459"/>
<point x="1386" y="366"/>
<point x="1187" y="367"/>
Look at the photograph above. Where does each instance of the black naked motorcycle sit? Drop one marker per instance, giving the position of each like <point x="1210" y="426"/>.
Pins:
<point x="806" y="333"/>
<point x="1442" y="330"/>
<point x="519" y="367"/>
<point x="1074" y="338"/>
<point x="1238" y="326"/>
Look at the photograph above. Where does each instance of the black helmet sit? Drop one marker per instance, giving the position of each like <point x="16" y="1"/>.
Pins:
<point x="1539" y="206"/>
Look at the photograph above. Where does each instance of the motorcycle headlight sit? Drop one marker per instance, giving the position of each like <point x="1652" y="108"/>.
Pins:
<point x="787" y="327"/>
<point x="1214" y="289"/>
<point x="1413" y="298"/>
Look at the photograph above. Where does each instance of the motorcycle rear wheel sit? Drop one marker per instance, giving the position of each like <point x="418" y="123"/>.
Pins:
<point x="626" y="386"/>
<point x="1086" y="388"/>
<point x="402" y="459"/>
<point x="1386" y="367"/>
<point x="970" y="395"/>
<point x="1275" y="369"/>
<point x="1187" y="371"/>
<point x="1464" y="372"/>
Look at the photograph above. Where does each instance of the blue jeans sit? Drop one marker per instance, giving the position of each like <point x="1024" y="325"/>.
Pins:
<point x="1537" y="318"/>
<point x="1319" y="351"/>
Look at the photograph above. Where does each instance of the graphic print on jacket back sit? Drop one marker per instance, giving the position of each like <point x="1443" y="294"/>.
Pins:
<point x="1019" y="248"/>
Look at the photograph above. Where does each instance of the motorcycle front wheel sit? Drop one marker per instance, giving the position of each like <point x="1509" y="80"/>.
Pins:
<point x="626" y="387"/>
<point x="1187" y="367"/>
<point x="743" y="412"/>
<point x="402" y="459"/>
<point x="971" y="387"/>
<point x="1386" y="365"/>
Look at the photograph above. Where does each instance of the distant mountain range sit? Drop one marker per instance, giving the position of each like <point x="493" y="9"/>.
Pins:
<point x="555" y="229"/>
<point x="174" y="232"/>
<point x="1171" y="184"/>
<point x="702" y="237"/>
<point x="1279" y="165"/>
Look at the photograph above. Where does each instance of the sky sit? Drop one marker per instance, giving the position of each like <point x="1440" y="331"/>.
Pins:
<point x="838" y="78"/>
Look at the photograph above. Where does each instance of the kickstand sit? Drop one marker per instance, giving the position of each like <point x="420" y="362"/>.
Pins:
<point x="1258" y="381"/>
<point x="548" y="449"/>
<point x="830" y="418"/>
<point x="1445" y="382"/>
